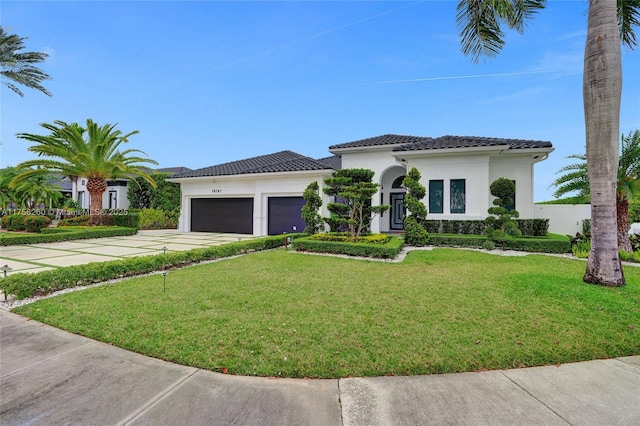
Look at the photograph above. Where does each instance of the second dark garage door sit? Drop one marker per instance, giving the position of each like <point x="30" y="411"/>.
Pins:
<point x="285" y="215"/>
<point x="233" y="215"/>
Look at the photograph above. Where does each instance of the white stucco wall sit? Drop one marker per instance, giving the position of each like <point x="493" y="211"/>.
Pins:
<point x="386" y="170"/>
<point x="121" y="199"/>
<point x="478" y="168"/>
<point x="474" y="169"/>
<point x="564" y="219"/>
<point x="259" y="187"/>
<point x="518" y="168"/>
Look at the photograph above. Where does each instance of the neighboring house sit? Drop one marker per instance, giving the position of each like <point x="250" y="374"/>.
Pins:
<point x="115" y="197"/>
<point x="263" y="195"/>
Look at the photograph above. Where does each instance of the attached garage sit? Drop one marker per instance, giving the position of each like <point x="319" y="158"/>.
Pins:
<point x="285" y="215"/>
<point x="232" y="215"/>
<point x="257" y="196"/>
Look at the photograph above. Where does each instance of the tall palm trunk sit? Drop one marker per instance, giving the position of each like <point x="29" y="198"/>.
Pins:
<point x="622" y="207"/>
<point x="602" y="89"/>
<point x="96" y="188"/>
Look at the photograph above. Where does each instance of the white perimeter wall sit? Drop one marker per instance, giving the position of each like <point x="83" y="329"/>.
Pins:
<point x="564" y="219"/>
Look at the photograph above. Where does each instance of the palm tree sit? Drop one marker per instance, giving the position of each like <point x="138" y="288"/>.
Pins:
<point x="37" y="190"/>
<point x="610" y="23"/>
<point x="628" y="182"/>
<point x="7" y="193"/>
<point x="92" y="152"/>
<point x="18" y="67"/>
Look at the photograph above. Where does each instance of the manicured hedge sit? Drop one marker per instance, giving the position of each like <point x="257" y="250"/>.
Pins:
<point x="529" y="227"/>
<point x="127" y="219"/>
<point x="25" y="285"/>
<point x="50" y="235"/>
<point x="345" y="237"/>
<point x="553" y="243"/>
<point x="385" y="251"/>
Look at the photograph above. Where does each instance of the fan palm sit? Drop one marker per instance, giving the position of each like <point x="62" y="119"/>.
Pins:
<point x="610" y="24"/>
<point x="18" y="67"/>
<point x="92" y="152"/>
<point x="628" y="184"/>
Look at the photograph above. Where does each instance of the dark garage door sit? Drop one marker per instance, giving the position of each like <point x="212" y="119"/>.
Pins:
<point x="285" y="215"/>
<point x="234" y="215"/>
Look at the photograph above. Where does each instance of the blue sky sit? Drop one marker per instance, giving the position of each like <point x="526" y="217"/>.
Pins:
<point x="206" y="82"/>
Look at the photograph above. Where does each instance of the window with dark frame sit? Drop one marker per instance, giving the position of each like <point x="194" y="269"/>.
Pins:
<point x="436" y="196"/>
<point x="458" y="195"/>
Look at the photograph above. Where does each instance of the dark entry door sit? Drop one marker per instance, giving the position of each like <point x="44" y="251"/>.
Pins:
<point x="397" y="211"/>
<point x="233" y="215"/>
<point x="285" y="215"/>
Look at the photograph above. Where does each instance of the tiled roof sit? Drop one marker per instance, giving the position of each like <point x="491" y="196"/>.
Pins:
<point x="389" y="139"/>
<point x="418" y="143"/>
<point x="448" y="142"/>
<point x="283" y="161"/>
<point x="335" y="161"/>
<point x="173" y="170"/>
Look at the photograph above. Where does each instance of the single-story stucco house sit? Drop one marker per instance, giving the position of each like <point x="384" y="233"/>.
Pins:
<point x="115" y="197"/>
<point x="263" y="195"/>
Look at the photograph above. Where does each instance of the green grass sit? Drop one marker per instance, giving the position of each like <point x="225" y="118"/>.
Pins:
<point x="279" y="313"/>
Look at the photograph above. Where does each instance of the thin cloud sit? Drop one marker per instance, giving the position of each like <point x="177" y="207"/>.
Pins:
<point x="461" y="77"/>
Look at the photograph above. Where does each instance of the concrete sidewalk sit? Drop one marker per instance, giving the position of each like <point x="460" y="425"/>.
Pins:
<point x="49" y="376"/>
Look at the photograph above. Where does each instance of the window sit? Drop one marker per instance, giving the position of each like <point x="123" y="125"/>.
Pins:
<point x="398" y="182"/>
<point x="458" y="195"/>
<point x="81" y="199"/>
<point x="511" y="207"/>
<point x="436" y="193"/>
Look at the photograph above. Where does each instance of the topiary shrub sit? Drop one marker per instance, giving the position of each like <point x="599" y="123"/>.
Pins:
<point x="414" y="233"/>
<point x="488" y="245"/>
<point x="36" y="223"/>
<point x="501" y="224"/>
<point x="310" y="214"/>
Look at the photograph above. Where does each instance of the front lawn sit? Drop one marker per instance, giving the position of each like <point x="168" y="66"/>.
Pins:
<point x="278" y="313"/>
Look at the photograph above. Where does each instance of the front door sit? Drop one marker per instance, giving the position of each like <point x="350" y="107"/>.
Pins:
<point x="398" y="211"/>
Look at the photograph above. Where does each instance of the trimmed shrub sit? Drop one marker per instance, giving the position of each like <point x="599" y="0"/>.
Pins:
<point x="488" y="245"/>
<point x="129" y="220"/>
<point x="533" y="227"/>
<point x="157" y="219"/>
<point x="528" y="227"/>
<point x="345" y="237"/>
<point x="82" y="220"/>
<point x="384" y="251"/>
<point x="551" y="244"/>
<point x="36" y="223"/>
<point x="50" y="235"/>
<point x="415" y="233"/>
<point x="15" y="222"/>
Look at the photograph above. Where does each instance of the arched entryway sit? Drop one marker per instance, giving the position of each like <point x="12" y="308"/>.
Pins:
<point x="392" y="193"/>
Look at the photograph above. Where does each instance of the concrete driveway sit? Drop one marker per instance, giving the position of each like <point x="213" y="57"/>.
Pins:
<point x="41" y="257"/>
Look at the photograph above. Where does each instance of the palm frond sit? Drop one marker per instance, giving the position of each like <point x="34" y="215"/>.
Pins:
<point x="19" y="67"/>
<point x="628" y="18"/>
<point x="480" y="23"/>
